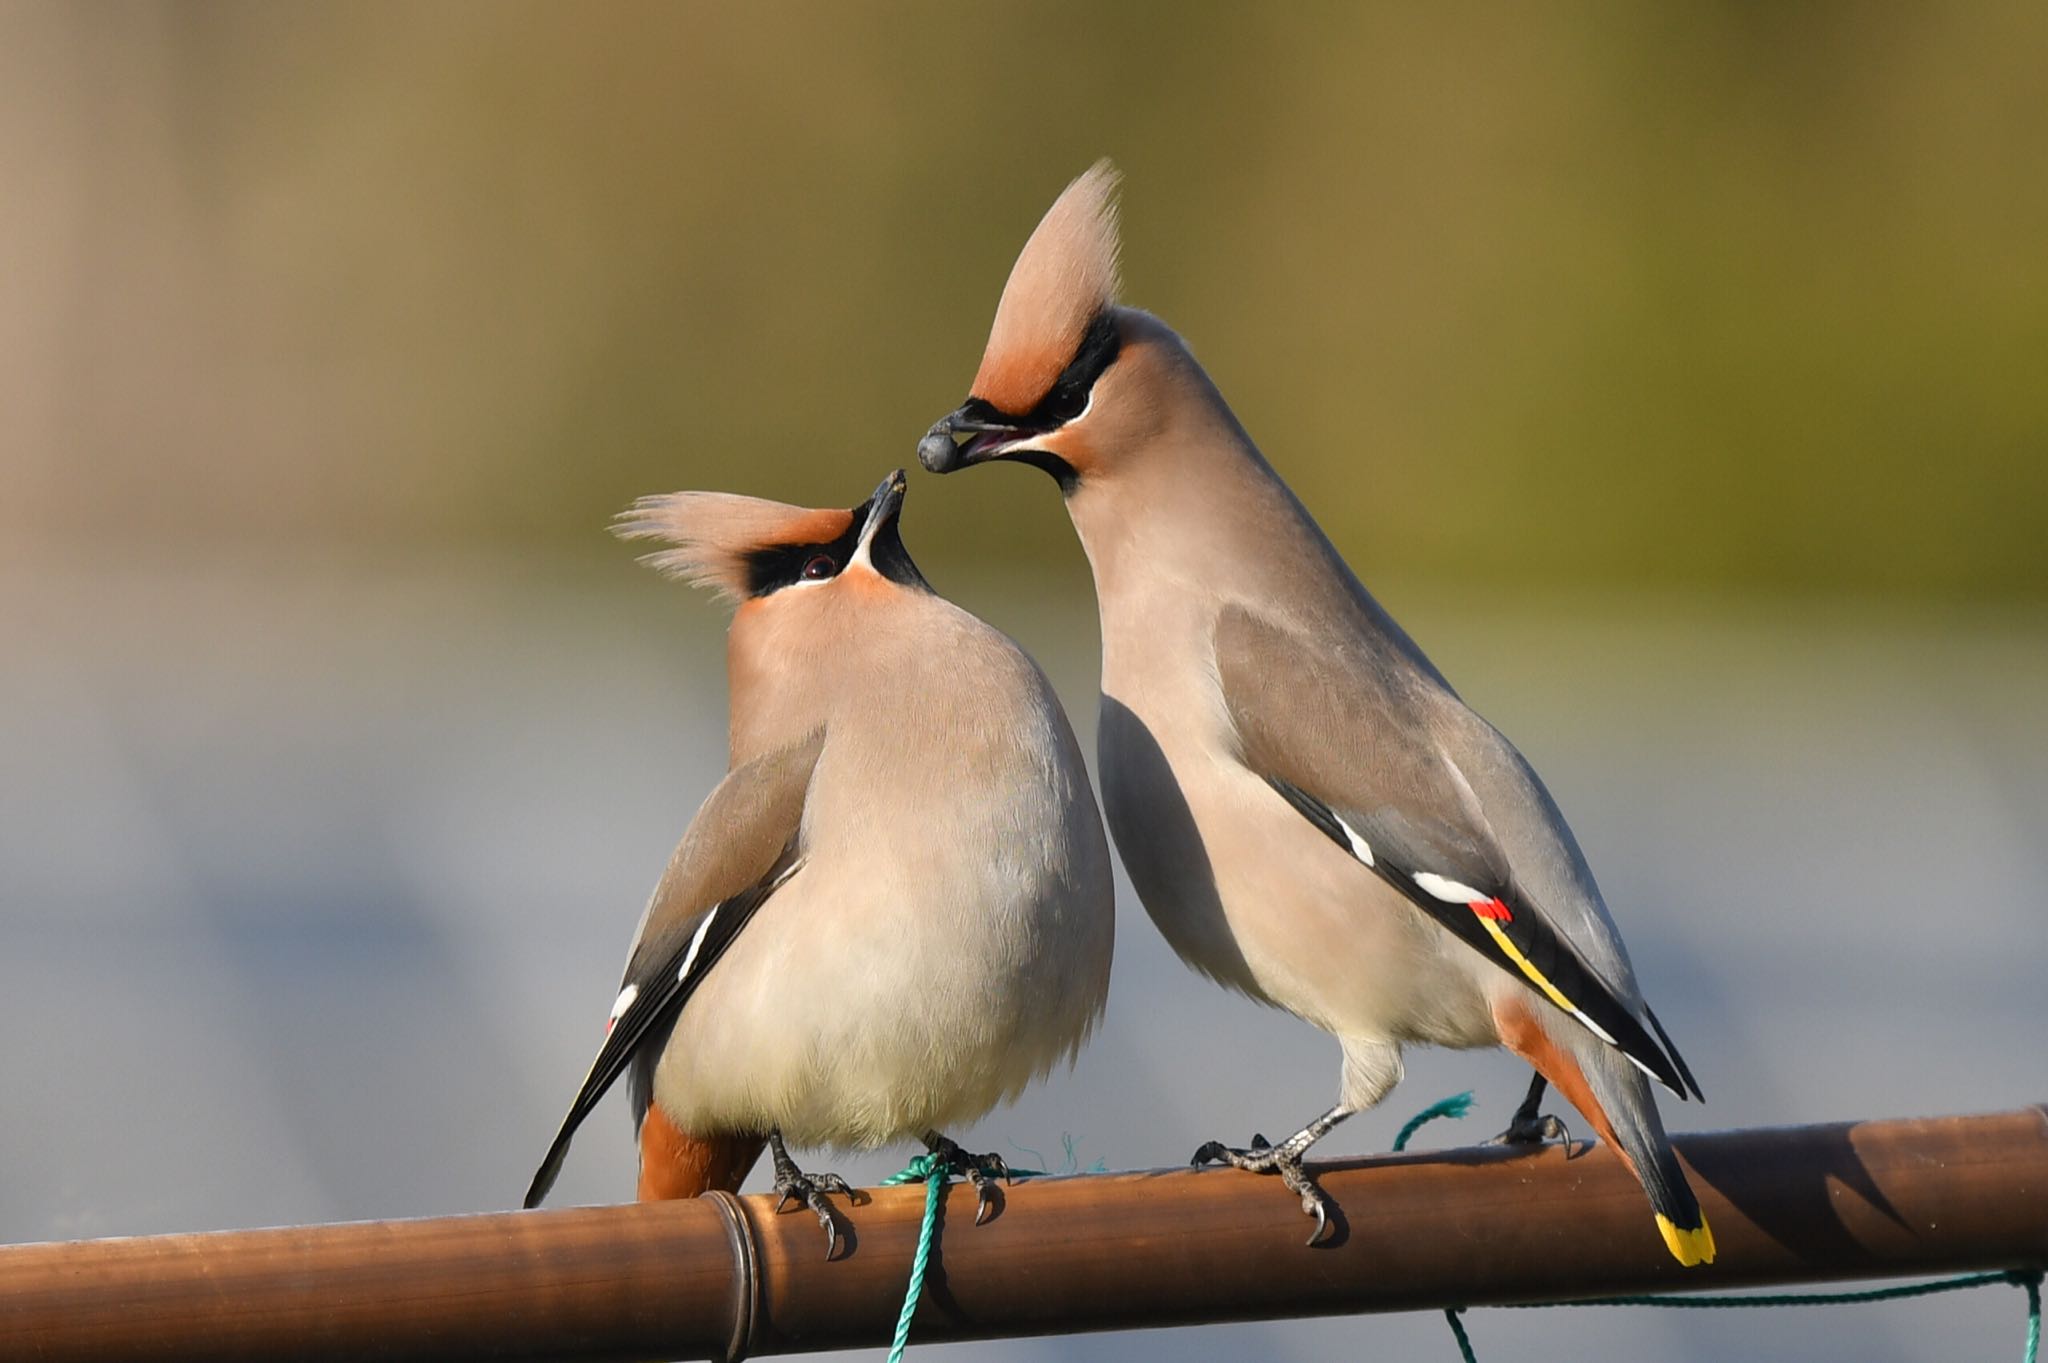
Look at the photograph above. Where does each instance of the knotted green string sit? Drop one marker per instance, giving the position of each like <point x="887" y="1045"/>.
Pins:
<point x="2028" y="1279"/>
<point x="933" y="1169"/>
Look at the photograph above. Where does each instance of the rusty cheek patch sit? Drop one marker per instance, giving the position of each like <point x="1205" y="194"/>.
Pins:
<point x="1072" y="444"/>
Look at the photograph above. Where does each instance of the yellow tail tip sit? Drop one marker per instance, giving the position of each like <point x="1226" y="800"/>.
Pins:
<point x="1689" y="1247"/>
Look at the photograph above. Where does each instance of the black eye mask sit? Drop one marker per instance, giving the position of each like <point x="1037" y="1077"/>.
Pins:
<point x="776" y="566"/>
<point x="1068" y="396"/>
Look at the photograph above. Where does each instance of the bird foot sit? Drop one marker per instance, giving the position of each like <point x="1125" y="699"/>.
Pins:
<point x="794" y="1185"/>
<point x="980" y="1170"/>
<point x="1533" y="1129"/>
<point x="1262" y="1157"/>
<point x="1531" y="1125"/>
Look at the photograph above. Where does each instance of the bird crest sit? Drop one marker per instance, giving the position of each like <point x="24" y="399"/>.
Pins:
<point x="1065" y="276"/>
<point x="715" y="536"/>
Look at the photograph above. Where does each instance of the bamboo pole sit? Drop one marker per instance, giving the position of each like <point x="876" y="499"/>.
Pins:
<point x="724" y="1276"/>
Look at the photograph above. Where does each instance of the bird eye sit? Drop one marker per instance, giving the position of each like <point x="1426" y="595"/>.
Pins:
<point x="819" y="568"/>
<point x="1064" y="404"/>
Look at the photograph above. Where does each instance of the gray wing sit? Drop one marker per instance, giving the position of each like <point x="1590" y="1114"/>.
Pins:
<point x="1397" y="771"/>
<point x="738" y="851"/>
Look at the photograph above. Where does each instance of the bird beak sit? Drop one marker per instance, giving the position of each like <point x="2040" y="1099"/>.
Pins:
<point x="882" y="508"/>
<point x="957" y="440"/>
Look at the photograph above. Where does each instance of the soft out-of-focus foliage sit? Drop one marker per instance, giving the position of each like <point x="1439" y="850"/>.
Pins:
<point x="1647" y="359"/>
<point x="1725" y="295"/>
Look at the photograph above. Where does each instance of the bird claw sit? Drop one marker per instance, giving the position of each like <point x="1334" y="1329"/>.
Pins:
<point x="1531" y="1125"/>
<point x="1257" y="1158"/>
<point x="1314" y="1201"/>
<point x="1263" y="1157"/>
<point x="793" y="1184"/>
<point x="983" y="1171"/>
<point x="1533" y="1130"/>
<point x="980" y="1170"/>
<point x="1314" y="1207"/>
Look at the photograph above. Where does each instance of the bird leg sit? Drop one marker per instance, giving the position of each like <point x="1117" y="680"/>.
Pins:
<point x="1531" y="1125"/>
<point x="1284" y="1159"/>
<point x="792" y="1183"/>
<point x="981" y="1170"/>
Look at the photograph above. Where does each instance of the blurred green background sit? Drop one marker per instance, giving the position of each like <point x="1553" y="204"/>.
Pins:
<point x="1725" y="296"/>
<point x="1674" y="373"/>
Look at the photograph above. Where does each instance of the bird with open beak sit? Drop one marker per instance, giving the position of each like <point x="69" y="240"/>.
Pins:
<point x="894" y="911"/>
<point x="1308" y="811"/>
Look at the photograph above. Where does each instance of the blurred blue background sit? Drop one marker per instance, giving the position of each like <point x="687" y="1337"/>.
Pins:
<point x="1673" y="374"/>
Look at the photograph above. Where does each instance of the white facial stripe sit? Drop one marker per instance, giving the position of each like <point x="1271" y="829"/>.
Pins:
<point x="1358" y="847"/>
<point x="1086" y="407"/>
<point x="1025" y="442"/>
<point x="624" y="1001"/>
<point x="696" y="943"/>
<point x="1450" y="891"/>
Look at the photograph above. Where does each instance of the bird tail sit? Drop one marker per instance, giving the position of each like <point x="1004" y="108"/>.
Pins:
<point x="1635" y="1130"/>
<point x="676" y="1164"/>
<point x="1615" y="1097"/>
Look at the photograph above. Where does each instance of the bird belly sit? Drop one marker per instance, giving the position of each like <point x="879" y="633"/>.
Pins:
<point x="850" y="1018"/>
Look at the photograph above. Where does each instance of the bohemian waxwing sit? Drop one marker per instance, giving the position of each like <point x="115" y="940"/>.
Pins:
<point x="1308" y="811"/>
<point x="895" y="911"/>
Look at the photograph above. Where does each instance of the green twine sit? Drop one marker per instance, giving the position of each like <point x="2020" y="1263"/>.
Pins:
<point x="2027" y="1279"/>
<point x="1457" y="1105"/>
<point x="933" y="1169"/>
<point x="2032" y="1282"/>
<point x="2017" y="1277"/>
<point x="1458" y="1333"/>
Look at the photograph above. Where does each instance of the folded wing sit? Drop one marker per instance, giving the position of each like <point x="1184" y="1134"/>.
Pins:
<point x="743" y="845"/>
<point x="1376" y="754"/>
